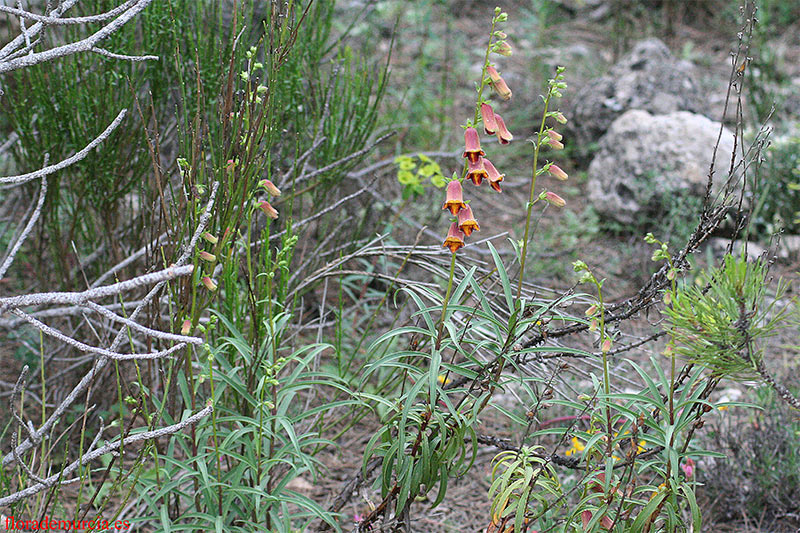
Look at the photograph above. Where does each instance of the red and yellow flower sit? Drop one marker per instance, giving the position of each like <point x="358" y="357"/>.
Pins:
<point x="454" y="200"/>
<point x="476" y="171"/>
<point x="466" y="221"/>
<point x="472" y="145"/>
<point x="503" y="135"/>
<point x="455" y="238"/>
<point x="494" y="175"/>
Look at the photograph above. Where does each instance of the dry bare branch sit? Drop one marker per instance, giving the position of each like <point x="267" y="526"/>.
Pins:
<point x="27" y="230"/>
<point x="80" y="298"/>
<point x="59" y="21"/>
<point x="84" y="45"/>
<point x="66" y="339"/>
<point x="42" y="172"/>
<point x="101" y="362"/>
<point x="108" y="448"/>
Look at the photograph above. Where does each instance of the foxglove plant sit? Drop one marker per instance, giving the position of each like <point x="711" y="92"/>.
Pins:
<point x="632" y="455"/>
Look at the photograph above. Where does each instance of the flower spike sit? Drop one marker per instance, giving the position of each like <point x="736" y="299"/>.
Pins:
<point x="455" y="238"/>
<point x="472" y="145"/>
<point x="467" y="222"/>
<point x="454" y="201"/>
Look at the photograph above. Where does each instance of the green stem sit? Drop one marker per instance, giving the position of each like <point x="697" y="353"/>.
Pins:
<point x="483" y="72"/>
<point x="446" y="299"/>
<point x="217" y="455"/>
<point x="673" y="287"/>
<point x="606" y="378"/>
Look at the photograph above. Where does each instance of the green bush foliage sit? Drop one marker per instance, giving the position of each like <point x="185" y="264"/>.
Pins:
<point x="299" y="327"/>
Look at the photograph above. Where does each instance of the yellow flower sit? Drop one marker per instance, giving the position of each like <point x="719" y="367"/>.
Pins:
<point x="660" y="488"/>
<point x="443" y="381"/>
<point x="577" y="447"/>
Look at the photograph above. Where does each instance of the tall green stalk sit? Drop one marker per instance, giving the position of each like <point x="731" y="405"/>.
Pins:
<point x="542" y="137"/>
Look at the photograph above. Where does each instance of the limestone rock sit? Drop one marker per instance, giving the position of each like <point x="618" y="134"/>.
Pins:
<point x="645" y="159"/>
<point x="648" y="78"/>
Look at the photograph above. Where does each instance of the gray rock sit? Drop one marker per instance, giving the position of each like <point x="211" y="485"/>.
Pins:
<point x="644" y="159"/>
<point x="648" y="78"/>
<point x="719" y="247"/>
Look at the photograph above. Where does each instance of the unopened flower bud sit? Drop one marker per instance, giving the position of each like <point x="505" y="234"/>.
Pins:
<point x="553" y="198"/>
<point x="606" y="346"/>
<point x="593" y="325"/>
<point x="557" y="172"/>
<point x="561" y="118"/>
<point x="186" y="327"/>
<point x="592" y="310"/>
<point x="210" y="238"/>
<point x="205" y="256"/>
<point x="209" y="283"/>
<point x="270" y="187"/>
<point x="499" y="84"/>
<point x="503" y="48"/>
<point x="554" y="144"/>
<point x="553" y="134"/>
<point x="268" y="209"/>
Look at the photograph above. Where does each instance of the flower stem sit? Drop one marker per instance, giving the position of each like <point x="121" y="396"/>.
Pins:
<point x="606" y="378"/>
